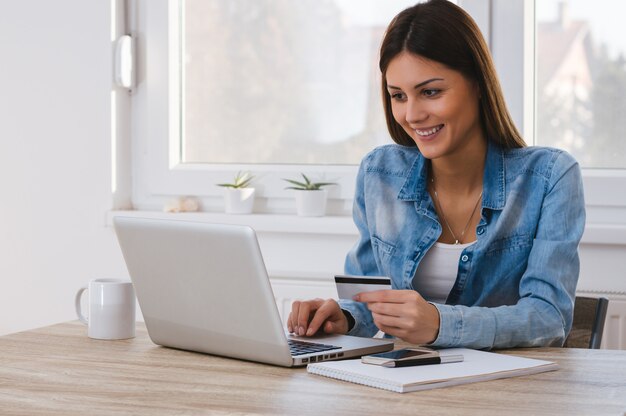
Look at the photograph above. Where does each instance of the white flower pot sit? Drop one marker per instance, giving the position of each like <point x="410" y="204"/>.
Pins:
<point x="238" y="200"/>
<point x="311" y="203"/>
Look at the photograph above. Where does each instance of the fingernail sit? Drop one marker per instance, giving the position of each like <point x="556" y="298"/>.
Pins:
<point x="301" y="331"/>
<point x="355" y="298"/>
<point x="309" y="332"/>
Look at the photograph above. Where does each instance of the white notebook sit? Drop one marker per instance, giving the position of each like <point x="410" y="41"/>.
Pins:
<point x="476" y="366"/>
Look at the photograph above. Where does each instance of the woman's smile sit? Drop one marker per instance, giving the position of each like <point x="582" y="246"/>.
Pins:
<point x="428" y="133"/>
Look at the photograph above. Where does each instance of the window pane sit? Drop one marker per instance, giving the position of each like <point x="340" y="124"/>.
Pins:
<point x="581" y="79"/>
<point x="283" y="81"/>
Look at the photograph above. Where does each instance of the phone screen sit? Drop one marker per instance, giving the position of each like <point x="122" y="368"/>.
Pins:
<point x="402" y="354"/>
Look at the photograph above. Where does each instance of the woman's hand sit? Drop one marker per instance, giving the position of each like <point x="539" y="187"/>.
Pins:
<point x="403" y="313"/>
<point x="307" y="317"/>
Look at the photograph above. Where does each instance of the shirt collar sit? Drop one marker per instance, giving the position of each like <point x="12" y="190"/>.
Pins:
<point x="415" y="185"/>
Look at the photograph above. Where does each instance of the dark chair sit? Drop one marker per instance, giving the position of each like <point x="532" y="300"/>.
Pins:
<point x="588" y="324"/>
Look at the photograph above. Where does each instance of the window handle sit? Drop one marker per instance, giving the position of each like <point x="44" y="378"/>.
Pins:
<point x="125" y="62"/>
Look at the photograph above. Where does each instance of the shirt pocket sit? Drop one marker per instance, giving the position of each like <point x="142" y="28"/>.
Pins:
<point x="520" y="242"/>
<point x="383" y="254"/>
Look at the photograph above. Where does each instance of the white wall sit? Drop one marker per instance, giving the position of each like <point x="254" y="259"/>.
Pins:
<point x="55" y="82"/>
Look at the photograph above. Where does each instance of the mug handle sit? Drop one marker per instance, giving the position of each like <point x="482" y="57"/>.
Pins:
<point x="79" y="311"/>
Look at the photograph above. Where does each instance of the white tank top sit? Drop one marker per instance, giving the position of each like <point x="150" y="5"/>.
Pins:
<point x="436" y="274"/>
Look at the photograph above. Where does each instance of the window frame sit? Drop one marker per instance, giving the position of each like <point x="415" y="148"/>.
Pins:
<point x="157" y="173"/>
<point x="508" y="26"/>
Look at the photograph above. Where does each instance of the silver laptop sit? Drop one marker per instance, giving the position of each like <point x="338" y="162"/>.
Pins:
<point x="204" y="287"/>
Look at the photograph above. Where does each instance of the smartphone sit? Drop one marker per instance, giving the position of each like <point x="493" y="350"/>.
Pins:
<point x="404" y="354"/>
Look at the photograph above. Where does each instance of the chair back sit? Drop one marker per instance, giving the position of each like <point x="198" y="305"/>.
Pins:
<point x="588" y="323"/>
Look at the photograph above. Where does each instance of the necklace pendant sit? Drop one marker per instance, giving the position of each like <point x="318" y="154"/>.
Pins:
<point x="456" y="242"/>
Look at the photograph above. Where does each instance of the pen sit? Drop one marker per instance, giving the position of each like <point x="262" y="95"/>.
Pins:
<point x="444" y="359"/>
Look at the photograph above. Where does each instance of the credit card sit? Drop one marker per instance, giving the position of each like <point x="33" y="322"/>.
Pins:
<point x="348" y="286"/>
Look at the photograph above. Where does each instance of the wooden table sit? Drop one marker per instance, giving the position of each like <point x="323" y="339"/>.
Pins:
<point x="57" y="370"/>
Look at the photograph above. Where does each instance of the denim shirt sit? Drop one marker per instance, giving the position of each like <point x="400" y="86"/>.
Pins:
<point x="516" y="285"/>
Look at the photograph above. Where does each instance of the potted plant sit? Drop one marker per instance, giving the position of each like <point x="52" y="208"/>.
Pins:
<point x="239" y="196"/>
<point x="310" y="196"/>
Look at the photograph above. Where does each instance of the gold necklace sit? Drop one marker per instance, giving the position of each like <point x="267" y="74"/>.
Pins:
<point x="438" y="203"/>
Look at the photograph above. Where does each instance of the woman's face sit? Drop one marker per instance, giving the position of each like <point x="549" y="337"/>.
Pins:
<point x="437" y="106"/>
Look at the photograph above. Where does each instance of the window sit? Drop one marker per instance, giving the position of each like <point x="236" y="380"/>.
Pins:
<point x="203" y="107"/>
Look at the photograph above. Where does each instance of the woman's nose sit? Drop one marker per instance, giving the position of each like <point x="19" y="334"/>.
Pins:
<point x="415" y="113"/>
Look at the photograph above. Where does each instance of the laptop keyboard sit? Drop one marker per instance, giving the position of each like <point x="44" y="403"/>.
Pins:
<point x="301" y="347"/>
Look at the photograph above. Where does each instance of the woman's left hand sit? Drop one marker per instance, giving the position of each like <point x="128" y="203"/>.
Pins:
<point x="402" y="313"/>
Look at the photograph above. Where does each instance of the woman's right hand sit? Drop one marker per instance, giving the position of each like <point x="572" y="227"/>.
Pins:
<point x="307" y="317"/>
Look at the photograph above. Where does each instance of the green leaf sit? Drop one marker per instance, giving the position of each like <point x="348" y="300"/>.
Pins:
<point x="318" y="185"/>
<point x="307" y="185"/>
<point x="242" y="180"/>
<point x="299" y="185"/>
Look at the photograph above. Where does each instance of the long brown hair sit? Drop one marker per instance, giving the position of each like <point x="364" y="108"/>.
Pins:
<point x="443" y="32"/>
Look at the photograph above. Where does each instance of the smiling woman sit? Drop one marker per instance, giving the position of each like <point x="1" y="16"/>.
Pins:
<point x="500" y="276"/>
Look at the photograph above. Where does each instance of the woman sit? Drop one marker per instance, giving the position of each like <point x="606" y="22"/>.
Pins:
<point x="478" y="233"/>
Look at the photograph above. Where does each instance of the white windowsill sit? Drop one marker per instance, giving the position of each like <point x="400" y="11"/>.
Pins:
<point x="274" y="223"/>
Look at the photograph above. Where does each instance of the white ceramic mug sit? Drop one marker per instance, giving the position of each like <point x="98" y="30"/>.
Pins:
<point x="111" y="309"/>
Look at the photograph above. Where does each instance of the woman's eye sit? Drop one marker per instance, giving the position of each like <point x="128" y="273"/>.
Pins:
<point x="398" y="96"/>
<point x="431" y="92"/>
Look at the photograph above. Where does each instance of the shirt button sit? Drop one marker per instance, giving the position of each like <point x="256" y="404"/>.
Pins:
<point x="480" y="230"/>
<point x="464" y="258"/>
